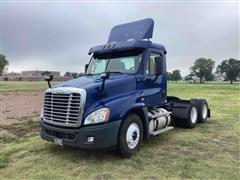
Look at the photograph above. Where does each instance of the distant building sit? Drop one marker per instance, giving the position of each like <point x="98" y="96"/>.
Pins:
<point x="32" y="76"/>
<point x="10" y="76"/>
<point x="219" y="77"/>
<point x="194" y="79"/>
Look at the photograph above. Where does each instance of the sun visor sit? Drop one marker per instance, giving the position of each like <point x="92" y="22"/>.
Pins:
<point x="137" y="30"/>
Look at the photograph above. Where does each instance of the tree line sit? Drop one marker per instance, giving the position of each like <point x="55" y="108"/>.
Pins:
<point x="3" y="63"/>
<point x="73" y="74"/>
<point x="202" y="68"/>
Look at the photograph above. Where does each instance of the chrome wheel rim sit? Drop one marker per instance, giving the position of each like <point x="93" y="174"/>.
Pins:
<point x="193" y="115"/>
<point x="204" y="111"/>
<point x="132" y="136"/>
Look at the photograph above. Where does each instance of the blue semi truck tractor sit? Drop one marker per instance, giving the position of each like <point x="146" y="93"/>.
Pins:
<point x="122" y="97"/>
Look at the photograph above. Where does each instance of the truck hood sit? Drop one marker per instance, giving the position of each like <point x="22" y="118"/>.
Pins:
<point x="116" y="86"/>
<point x="81" y="82"/>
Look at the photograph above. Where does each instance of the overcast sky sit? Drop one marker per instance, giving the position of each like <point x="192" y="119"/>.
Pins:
<point x="57" y="36"/>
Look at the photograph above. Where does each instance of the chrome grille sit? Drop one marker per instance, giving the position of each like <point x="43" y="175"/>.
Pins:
<point x="63" y="106"/>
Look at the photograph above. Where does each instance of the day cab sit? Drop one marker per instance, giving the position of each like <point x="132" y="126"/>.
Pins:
<point x="122" y="97"/>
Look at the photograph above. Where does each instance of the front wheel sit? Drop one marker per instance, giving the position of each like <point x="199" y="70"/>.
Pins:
<point x="130" y="136"/>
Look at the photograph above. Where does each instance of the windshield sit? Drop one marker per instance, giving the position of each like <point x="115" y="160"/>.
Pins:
<point x="118" y="62"/>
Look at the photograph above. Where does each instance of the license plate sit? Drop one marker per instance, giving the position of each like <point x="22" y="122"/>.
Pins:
<point x="58" y="141"/>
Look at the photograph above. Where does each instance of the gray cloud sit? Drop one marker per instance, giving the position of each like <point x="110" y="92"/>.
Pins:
<point x="57" y="36"/>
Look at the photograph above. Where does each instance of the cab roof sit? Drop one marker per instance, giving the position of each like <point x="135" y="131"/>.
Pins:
<point x="125" y="45"/>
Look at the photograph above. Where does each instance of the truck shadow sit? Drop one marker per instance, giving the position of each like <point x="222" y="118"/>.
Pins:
<point x="77" y="155"/>
<point x="162" y="141"/>
<point x="102" y="155"/>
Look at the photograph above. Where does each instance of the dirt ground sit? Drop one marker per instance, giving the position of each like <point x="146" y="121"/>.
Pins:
<point x="18" y="105"/>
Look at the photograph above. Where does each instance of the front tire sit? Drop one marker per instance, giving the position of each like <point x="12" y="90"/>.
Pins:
<point x="130" y="135"/>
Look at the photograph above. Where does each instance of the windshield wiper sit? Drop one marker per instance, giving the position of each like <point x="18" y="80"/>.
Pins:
<point x="89" y="74"/>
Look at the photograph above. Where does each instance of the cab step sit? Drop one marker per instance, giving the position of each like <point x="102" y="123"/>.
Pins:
<point x="161" y="131"/>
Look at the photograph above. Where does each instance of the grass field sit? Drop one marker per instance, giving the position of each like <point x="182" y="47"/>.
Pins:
<point x="210" y="151"/>
<point x="12" y="86"/>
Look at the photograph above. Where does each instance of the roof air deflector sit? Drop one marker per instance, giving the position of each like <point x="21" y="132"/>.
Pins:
<point x="137" y="30"/>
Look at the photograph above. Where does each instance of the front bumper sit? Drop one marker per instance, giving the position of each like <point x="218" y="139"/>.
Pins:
<point x="105" y="135"/>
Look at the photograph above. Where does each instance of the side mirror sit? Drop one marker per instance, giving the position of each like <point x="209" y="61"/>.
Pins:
<point x="158" y="66"/>
<point x="49" y="79"/>
<point x="104" y="76"/>
<point x="86" y="67"/>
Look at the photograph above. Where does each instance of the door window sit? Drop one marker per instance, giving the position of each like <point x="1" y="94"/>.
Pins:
<point x="150" y="69"/>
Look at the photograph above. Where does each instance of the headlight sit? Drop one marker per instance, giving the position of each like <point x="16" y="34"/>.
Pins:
<point x="98" y="116"/>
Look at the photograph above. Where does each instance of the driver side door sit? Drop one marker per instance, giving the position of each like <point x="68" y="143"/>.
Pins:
<point x="154" y="92"/>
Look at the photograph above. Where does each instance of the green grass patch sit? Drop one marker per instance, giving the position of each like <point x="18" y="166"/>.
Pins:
<point x="210" y="151"/>
<point x="12" y="86"/>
